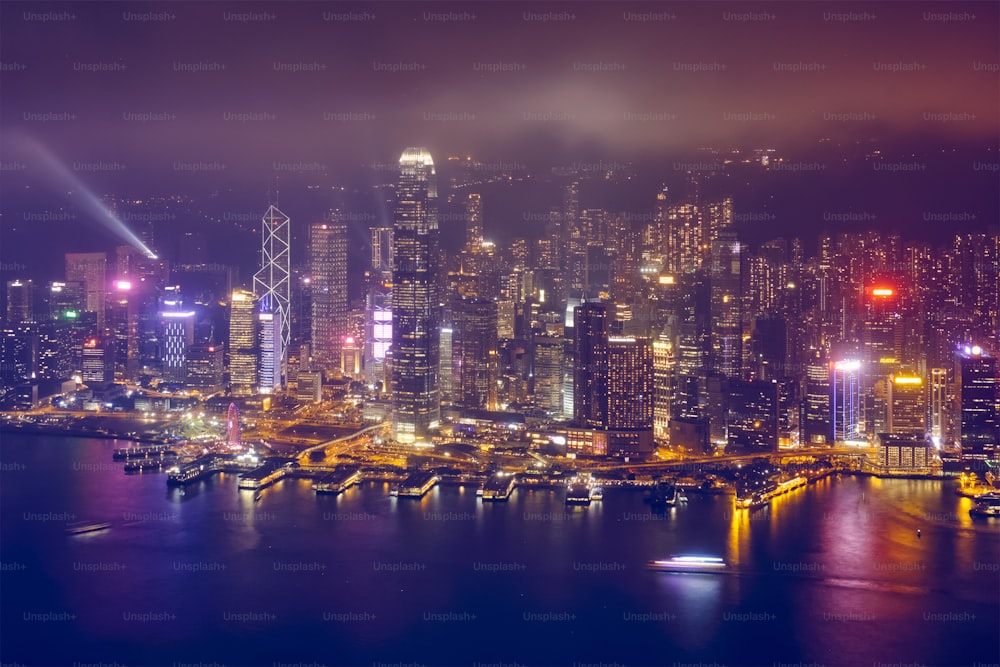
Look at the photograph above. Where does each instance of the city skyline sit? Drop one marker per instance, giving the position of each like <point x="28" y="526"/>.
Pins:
<point x="363" y="333"/>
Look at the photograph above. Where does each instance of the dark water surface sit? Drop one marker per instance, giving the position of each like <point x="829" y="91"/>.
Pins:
<point x="834" y="574"/>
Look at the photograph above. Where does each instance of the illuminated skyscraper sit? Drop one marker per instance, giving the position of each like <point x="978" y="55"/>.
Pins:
<point x="204" y="367"/>
<point x="382" y="254"/>
<point x="178" y="336"/>
<point x="692" y="351"/>
<point x="663" y="377"/>
<point x="242" y="343"/>
<point x="474" y="353"/>
<point x="328" y="274"/>
<point x="630" y="395"/>
<point x="66" y="297"/>
<point x="378" y="332"/>
<point x="976" y="391"/>
<point x="415" y="303"/>
<point x="939" y="405"/>
<point x="753" y="416"/>
<point x="350" y="357"/>
<point x="846" y="393"/>
<point x="817" y="422"/>
<point x="907" y="404"/>
<point x="18" y="352"/>
<point x="446" y="351"/>
<point x="58" y="342"/>
<point x="272" y="282"/>
<point x="629" y="383"/>
<point x="98" y="361"/>
<point x="726" y="325"/>
<point x="682" y="238"/>
<point x="20" y="299"/>
<point x="269" y="352"/>
<point x="90" y="268"/>
<point x="590" y="347"/>
<point x="473" y="220"/>
<point x="123" y="326"/>
<point x="549" y="361"/>
<point x="882" y="340"/>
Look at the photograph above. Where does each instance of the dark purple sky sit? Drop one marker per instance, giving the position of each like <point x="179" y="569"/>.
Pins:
<point x="219" y="100"/>
<point x="99" y="81"/>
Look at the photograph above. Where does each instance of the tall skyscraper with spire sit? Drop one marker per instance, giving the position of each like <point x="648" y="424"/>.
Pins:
<point x="272" y="283"/>
<point x="416" y="405"/>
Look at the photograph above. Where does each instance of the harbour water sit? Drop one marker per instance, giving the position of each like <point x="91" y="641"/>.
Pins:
<point x="833" y="574"/>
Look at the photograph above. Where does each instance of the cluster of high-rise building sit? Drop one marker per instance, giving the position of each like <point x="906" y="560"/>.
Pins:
<point x="611" y="331"/>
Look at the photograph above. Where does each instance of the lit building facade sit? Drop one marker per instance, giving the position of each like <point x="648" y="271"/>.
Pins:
<point x="328" y="285"/>
<point x="20" y="301"/>
<point x="178" y="335"/>
<point x="474" y="357"/>
<point x="846" y="404"/>
<point x="66" y="297"/>
<point x="753" y="416"/>
<point x="378" y="332"/>
<point x="590" y="326"/>
<point x="976" y="392"/>
<point x="243" y="342"/>
<point x="549" y="362"/>
<point x="416" y="408"/>
<point x="268" y="349"/>
<point x="98" y="361"/>
<point x="629" y="383"/>
<point x="939" y="405"/>
<point x="907" y="404"/>
<point x="205" y="367"/>
<point x="663" y="380"/>
<point x="90" y="269"/>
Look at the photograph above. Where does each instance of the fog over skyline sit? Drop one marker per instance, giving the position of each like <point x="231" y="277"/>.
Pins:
<point x="886" y="112"/>
<point x="247" y="85"/>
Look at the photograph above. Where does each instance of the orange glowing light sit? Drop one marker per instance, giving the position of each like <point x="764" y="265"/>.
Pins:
<point x="882" y="291"/>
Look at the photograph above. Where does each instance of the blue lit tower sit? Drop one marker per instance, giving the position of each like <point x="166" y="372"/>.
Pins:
<point x="178" y="336"/>
<point x="415" y="304"/>
<point x="847" y="400"/>
<point x="270" y="351"/>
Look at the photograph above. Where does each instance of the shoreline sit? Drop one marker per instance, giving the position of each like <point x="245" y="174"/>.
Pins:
<point x="38" y="429"/>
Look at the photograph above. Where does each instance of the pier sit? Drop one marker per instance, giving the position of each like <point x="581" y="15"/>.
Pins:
<point x="499" y="487"/>
<point x="152" y="452"/>
<point x="417" y="485"/>
<point x="207" y="465"/>
<point x="338" y="481"/>
<point x="263" y="476"/>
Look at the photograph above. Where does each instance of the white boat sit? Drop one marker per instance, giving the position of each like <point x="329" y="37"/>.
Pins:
<point x="689" y="564"/>
<point x="83" y="527"/>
